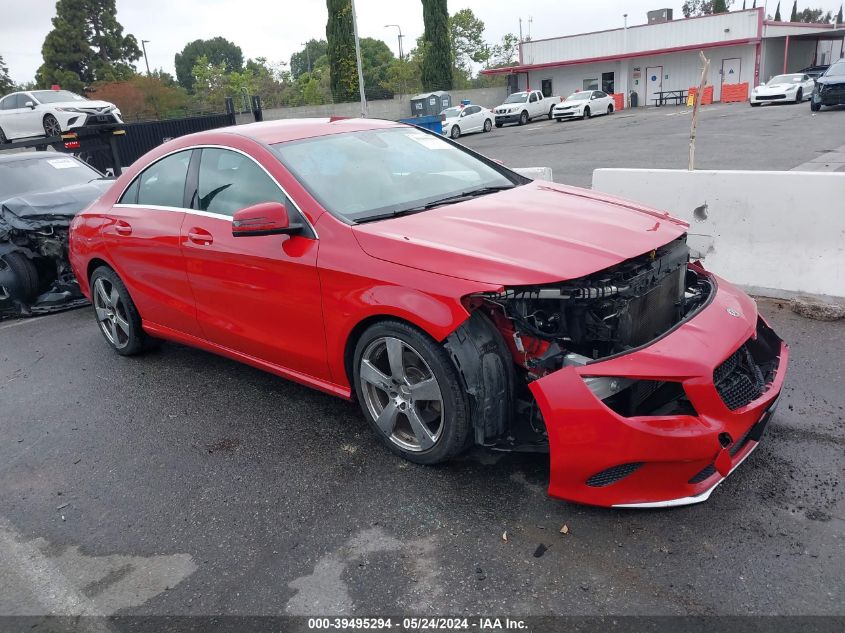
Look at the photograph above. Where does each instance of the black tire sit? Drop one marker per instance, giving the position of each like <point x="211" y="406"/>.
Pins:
<point x="559" y="120"/>
<point x="19" y="277"/>
<point x="799" y="96"/>
<point x="136" y="340"/>
<point x="610" y="109"/>
<point x="488" y="125"/>
<point x="523" y="118"/>
<point x="51" y="126"/>
<point x="755" y="105"/>
<point x="3" y="138"/>
<point x="815" y="107"/>
<point x="551" y="113"/>
<point x="456" y="132"/>
<point x="499" y="124"/>
<point x="454" y="413"/>
<point x="587" y="113"/>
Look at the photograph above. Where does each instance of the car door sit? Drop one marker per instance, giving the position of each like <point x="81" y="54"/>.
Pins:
<point x="31" y="115"/>
<point x="257" y="295"/>
<point x="142" y="237"/>
<point x="475" y="122"/>
<point x="809" y="86"/>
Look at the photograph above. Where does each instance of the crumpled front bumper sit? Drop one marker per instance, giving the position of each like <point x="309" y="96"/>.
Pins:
<point x="657" y="461"/>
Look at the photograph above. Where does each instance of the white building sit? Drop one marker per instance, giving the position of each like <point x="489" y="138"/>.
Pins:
<point x="742" y="47"/>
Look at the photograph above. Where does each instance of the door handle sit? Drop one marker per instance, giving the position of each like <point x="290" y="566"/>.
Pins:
<point x="123" y="228"/>
<point x="200" y="236"/>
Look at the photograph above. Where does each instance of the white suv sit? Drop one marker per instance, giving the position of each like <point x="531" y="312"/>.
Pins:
<point x="51" y="112"/>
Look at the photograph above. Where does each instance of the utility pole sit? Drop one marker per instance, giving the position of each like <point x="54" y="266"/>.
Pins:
<point x="307" y="56"/>
<point x="364" y="109"/>
<point x="146" y="61"/>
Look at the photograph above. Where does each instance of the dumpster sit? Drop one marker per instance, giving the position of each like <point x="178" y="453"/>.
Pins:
<point x="433" y="123"/>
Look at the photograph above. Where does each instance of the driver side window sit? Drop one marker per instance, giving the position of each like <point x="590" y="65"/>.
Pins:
<point x="230" y="181"/>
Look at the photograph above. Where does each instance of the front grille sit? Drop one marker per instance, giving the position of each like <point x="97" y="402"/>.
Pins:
<point x="612" y="475"/>
<point x="739" y="380"/>
<point x="770" y="97"/>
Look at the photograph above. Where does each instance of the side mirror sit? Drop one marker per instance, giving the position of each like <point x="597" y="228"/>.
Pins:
<point x="264" y="218"/>
<point x="29" y="104"/>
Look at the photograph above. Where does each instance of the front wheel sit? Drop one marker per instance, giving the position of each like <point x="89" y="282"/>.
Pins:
<point x="755" y="105"/>
<point x="815" y="107"/>
<point x="551" y="113"/>
<point x="587" y="113"/>
<point x="410" y="393"/>
<point x="456" y="132"/>
<point x="610" y="109"/>
<point x="499" y="124"/>
<point x="116" y="313"/>
<point x="51" y="126"/>
<point x="488" y="125"/>
<point x="523" y="118"/>
<point x="799" y="96"/>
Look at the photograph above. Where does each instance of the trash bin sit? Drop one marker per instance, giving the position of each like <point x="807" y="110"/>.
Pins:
<point x="433" y="123"/>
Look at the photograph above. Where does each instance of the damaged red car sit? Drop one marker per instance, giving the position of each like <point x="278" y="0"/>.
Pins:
<point x="458" y="302"/>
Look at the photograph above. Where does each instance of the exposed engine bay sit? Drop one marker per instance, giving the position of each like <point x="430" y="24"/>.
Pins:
<point x="580" y="321"/>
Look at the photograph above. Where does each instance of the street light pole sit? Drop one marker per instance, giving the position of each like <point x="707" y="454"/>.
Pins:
<point x="364" y="109"/>
<point x="307" y="56"/>
<point x="400" y="38"/>
<point x="146" y="61"/>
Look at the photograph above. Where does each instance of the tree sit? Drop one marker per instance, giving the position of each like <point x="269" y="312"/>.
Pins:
<point x="376" y="58"/>
<point x="209" y="83"/>
<point x="343" y="71"/>
<point x="306" y="60"/>
<point x="403" y="76"/>
<point x="777" y="13"/>
<point x="504" y="53"/>
<point x="6" y="83"/>
<point x="86" y="44"/>
<point x="216" y="51"/>
<point x="794" y="16"/>
<point x="814" y="16"/>
<point x="839" y="16"/>
<point x="466" y="36"/>
<point x="436" y="67"/>
<point x="143" y="97"/>
<point x="720" y="6"/>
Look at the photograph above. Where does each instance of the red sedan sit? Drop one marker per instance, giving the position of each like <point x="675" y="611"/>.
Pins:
<point x="458" y="302"/>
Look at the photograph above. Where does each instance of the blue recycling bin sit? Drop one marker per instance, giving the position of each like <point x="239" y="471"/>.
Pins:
<point x="432" y="123"/>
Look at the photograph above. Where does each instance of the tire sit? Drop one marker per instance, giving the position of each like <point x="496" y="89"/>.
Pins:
<point x="551" y="113"/>
<point x="523" y="118"/>
<point x="3" y="138"/>
<point x="755" y="105"/>
<point x="116" y="314"/>
<point x="488" y="125"/>
<point x="51" y="126"/>
<point x="499" y="124"/>
<point x="19" y="277"/>
<point x="815" y="107"/>
<point x="456" y="132"/>
<point x="799" y="96"/>
<point x="610" y="109"/>
<point x="386" y="393"/>
<point x="559" y="120"/>
<point x="587" y="113"/>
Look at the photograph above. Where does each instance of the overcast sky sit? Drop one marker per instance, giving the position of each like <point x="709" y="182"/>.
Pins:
<point x="275" y="29"/>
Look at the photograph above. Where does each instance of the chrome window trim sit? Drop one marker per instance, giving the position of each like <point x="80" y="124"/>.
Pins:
<point x="206" y="213"/>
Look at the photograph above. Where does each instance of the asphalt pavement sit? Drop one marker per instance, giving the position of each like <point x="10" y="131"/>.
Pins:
<point x="183" y="483"/>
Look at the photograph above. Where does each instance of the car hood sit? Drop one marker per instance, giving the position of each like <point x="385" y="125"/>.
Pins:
<point x="776" y="87"/>
<point x="36" y="210"/>
<point x="826" y="81"/>
<point x="537" y="233"/>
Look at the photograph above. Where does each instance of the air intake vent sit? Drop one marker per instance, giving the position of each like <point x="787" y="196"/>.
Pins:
<point x="612" y="475"/>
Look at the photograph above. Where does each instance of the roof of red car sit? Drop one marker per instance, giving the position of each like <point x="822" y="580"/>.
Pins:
<point x="294" y="129"/>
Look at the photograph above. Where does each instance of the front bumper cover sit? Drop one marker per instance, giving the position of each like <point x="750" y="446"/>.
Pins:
<point x="508" y="118"/>
<point x="658" y="461"/>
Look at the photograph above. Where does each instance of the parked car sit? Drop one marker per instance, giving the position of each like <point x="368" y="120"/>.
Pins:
<point x="50" y="112"/>
<point x="793" y="88"/>
<point x="814" y="71"/>
<point x="40" y="192"/>
<point x="583" y="105"/>
<point x="455" y="300"/>
<point x="522" y="107"/>
<point x="466" y="119"/>
<point x="830" y="87"/>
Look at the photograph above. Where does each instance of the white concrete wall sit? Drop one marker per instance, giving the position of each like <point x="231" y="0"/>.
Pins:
<point x="774" y="233"/>
<point x="390" y="109"/>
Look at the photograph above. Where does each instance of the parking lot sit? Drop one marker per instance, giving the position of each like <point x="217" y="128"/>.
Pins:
<point x="182" y="483"/>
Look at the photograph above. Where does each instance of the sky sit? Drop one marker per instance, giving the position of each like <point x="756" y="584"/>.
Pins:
<point x="276" y="29"/>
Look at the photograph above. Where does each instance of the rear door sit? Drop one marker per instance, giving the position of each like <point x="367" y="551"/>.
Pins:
<point x="142" y="236"/>
<point x="257" y="295"/>
<point x="474" y="119"/>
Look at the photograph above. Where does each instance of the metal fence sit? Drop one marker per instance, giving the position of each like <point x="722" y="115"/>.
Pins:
<point x="142" y="137"/>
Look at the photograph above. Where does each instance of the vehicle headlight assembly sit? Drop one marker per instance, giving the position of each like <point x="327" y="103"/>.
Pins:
<point x="69" y="110"/>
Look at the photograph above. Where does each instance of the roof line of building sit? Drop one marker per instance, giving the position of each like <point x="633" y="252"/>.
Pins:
<point x="592" y="60"/>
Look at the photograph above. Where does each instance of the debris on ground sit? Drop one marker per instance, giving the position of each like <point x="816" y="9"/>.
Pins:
<point x="505" y="536"/>
<point x="817" y="310"/>
<point x="541" y="549"/>
<point x="564" y="529"/>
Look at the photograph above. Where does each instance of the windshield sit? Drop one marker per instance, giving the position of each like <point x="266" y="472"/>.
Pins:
<point x="43" y="174"/>
<point x="786" y="79"/>
<point x="837" y="70"/>
<point x="360" y="176"/>
<point x="517" y="97"/>
<point x="56" y="96"/>
<point x="579" y="96"/>
<point x="451" y="113"/>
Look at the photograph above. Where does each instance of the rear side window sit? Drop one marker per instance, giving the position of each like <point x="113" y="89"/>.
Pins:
<point x="8" y="103"/>
<point x="162" y="184"/>
<point x="230" y="181"/>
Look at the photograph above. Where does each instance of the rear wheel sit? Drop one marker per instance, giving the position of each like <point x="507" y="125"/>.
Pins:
<point x="116" y="313"/>
<point x="799" y="96"/>
<point x="488" y="125"/>
<point x="523" y="118"/>
<point x="587" y="113"/>
<point x="610" y="109"/>
<point x="815" y="107"/>
<point x="456" y="132"/>
<point x="410" y="393"/>
<point x="51" y="126"/>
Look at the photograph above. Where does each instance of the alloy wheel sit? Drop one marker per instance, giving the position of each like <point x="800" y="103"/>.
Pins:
<point x="111" y="313"/>
<point x="402" y="394"/>
<point x="51" y="126"/>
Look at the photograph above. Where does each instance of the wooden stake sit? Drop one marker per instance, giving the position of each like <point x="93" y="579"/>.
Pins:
<point x="699" y="95"/>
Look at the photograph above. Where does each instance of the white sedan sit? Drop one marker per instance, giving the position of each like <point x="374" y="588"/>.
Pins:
<point x="51" y="112"/>
<point x="794" y="88"/>
<point x="466" y="119"/>
<point x="583" y="105"/>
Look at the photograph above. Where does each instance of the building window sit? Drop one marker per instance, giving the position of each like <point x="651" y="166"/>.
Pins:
<point x="591" y="84"/>
<point x="608" y="83"/>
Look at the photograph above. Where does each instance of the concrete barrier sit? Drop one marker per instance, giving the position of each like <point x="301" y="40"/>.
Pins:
<point x="779" y="234"/>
